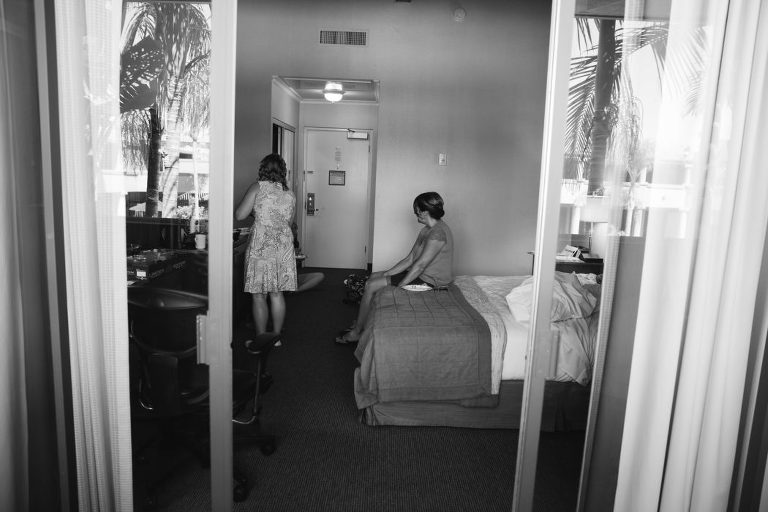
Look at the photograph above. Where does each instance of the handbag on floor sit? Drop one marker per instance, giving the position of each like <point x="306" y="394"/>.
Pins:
<point x="355" y="284"/>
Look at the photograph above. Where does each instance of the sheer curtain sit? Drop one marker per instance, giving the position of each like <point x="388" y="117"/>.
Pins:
<point x="701" y="269"/>
<point x="13" y="412"/>
<point x="87" y="52"/>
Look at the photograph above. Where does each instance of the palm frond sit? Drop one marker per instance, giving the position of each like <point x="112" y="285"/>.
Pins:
<point x="164" y="63"/>
<point x="139" y="68"/>
<point x="680" y="71"/>
<point x="134" y="128"/>
<point x="183" y="31"/>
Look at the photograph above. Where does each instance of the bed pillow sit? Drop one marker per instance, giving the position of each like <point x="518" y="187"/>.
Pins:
<point x="570" y="299"/>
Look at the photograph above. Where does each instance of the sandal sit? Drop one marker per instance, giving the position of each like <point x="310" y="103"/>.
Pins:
<point x="344" y="340"/>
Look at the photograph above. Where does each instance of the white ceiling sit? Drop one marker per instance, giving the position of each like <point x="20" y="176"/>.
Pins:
<point x="311" y="89"/>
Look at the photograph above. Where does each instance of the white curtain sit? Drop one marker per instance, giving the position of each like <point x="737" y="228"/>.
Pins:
<point x="701" y="269"/>
<point x="13" y="411"/>
<point x="87" y="49"/>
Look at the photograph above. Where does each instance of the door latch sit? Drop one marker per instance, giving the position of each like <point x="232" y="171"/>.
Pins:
<point x="202" y="336"/>
<point x="310" y="203"/>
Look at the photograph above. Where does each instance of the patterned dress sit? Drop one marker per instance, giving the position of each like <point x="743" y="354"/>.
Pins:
<point x="271" y="263"/>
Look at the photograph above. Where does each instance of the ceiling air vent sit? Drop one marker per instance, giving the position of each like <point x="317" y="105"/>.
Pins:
<point x="345" y="37"/>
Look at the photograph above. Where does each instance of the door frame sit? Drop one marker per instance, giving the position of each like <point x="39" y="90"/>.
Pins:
<point x="302" y="182"/>
<point x="552" y="154"/>
<point x="277" y="147"/>
<point x="217" y="352"/>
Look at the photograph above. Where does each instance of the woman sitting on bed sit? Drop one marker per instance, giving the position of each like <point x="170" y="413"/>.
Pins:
<point x="429" y="263"/>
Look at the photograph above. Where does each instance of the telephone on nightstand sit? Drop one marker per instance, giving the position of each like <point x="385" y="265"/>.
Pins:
<point x="570" y="250"/>
<point x="569" y="253"/>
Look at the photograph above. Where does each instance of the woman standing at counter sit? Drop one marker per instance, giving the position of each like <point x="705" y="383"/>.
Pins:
<point x="270" y="264"/>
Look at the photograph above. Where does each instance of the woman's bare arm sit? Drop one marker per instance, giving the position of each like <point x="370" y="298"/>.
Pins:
<point x="245" y="207"/>
<point x="404" y="263"/>
<point x="431" y="250"/>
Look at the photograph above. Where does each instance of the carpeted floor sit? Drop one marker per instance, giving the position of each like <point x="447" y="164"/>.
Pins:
<point x="326" y="460"/>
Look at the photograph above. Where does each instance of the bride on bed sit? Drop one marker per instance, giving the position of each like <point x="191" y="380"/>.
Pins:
<point x="428" y="264"/>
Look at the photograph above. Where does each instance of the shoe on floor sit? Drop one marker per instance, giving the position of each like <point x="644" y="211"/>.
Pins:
<point x="343" y="340"/>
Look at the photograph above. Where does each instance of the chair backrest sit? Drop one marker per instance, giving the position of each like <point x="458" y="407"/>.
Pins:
<point x="168" y="381"/>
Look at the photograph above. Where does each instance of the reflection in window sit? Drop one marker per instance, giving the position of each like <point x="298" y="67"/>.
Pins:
<point x="612" y="176"/>
<point x="164" y="78"/>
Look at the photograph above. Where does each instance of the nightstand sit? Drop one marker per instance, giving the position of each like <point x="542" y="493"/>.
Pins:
<point x="580" y="267"/>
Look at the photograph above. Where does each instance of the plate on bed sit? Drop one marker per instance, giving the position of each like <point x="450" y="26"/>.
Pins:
<point x="416" y="287"/>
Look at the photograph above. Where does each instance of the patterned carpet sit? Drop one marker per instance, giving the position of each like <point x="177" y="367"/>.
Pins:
<point x="326" y="460"/>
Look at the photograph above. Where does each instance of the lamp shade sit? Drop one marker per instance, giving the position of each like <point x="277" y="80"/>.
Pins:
<point x="333" y="92"/>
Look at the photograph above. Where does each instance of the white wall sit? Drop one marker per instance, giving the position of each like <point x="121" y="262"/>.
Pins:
<point x="474" y="90"/>
<point x="285" y="106"/>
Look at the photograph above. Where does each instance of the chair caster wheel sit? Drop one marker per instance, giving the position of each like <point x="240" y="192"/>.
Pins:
<point x="240" y="493"/>
<point x="268" y="449"/>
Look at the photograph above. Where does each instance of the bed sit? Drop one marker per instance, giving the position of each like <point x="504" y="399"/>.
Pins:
<point x="456" y="357"/>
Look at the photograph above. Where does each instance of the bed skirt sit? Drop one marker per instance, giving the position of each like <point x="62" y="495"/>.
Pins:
<point x="565" y="409"/>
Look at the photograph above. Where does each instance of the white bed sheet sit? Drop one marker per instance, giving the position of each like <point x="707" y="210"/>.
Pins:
<point x="496" y="289"/>
<point x="509" y="338"/>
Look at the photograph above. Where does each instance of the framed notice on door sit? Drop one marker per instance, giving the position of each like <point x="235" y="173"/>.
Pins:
<point x="337" y="177"/>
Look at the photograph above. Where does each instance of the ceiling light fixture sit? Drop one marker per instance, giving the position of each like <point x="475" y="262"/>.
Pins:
<point x="333" y="92"/>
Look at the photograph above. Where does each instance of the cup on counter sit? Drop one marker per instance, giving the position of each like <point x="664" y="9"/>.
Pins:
<point x="200" y="240"/>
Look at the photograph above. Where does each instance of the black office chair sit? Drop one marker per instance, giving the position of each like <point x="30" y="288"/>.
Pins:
<point x="169" y="388"/>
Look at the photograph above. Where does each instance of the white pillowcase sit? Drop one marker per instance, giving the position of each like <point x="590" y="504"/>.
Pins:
<point x="570" y="299"/>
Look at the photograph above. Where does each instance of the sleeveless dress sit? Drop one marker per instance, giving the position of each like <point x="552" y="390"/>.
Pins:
<point x="271" y="262"/>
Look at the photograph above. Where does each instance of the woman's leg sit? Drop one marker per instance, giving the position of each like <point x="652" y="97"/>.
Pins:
<point x="374" y="284"/>
<point x="309" y="280"/>
<point x="260" y="312"/>
<point x="277" y="305"/>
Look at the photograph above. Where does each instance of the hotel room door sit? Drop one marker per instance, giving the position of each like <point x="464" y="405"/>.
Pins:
<point x="336" y="201"/>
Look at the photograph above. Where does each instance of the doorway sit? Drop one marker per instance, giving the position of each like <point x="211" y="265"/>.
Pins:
<point x="336" y="197"/>
<point x="283" y="144"/>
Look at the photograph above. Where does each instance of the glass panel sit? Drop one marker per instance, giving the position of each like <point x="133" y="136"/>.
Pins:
<point x="164" y="96"/>
<point x="604" y="126"/>
<point x="620" y="164"/>
<point x="418" y="114"/>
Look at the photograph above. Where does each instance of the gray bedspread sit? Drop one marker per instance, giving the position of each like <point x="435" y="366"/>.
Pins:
<point x="422" y="346"/>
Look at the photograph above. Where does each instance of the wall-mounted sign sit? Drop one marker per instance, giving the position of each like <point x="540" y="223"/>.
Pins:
<point x="351" y="134"/>
<point x="337" y="177"/>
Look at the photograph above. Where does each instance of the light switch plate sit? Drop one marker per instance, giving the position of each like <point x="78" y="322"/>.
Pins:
<point x="442" y="159"/>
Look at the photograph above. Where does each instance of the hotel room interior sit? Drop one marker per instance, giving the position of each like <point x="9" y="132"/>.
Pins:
<point x="601" y="347"/>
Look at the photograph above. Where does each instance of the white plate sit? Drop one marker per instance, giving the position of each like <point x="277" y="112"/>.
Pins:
<point x="417" y="287"/>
